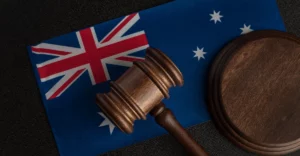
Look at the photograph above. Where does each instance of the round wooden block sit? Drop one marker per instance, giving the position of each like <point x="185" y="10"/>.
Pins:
<point x="254" y="92"/>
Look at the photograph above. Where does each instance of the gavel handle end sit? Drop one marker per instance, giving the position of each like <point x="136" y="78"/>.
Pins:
<point x="165" y="118"/>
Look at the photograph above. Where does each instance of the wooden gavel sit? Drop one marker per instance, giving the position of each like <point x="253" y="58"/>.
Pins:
<point x="140" y="90"/>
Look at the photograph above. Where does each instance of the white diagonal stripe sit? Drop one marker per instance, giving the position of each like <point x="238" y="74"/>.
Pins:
<point x="62" y="81"/>
<point x="59" y="48"/>
<point x="124" y="29"/>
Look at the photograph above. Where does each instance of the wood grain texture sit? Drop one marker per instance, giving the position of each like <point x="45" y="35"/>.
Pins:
<point x="254" y="92"/>
<point x="166" y="119"/>
<point x="140" y="91"/>
<point x="260" y="90"/>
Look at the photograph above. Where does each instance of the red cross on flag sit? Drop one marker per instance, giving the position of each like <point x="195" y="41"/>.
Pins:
<point x="92" y="56"/>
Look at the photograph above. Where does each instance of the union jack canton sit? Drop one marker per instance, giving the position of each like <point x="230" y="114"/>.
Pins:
<point x="92" y="56"/>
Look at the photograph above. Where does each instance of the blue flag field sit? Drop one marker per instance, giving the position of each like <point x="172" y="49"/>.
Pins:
<point x="71" y="69"/>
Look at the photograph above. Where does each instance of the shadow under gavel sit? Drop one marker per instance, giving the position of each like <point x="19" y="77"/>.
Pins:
<point x="140" y="90"/>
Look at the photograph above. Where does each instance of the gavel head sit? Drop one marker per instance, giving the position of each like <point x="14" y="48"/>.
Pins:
<point x="139" y="89"/>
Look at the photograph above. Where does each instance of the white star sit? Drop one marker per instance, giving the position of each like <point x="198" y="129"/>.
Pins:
<point x="199" y="53"/>
<point x="107" y="122"/>
<point x="216" y="17"/>
<point x="246" y="29"/>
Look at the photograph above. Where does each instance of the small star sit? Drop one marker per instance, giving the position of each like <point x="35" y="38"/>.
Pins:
<point x="199" y="53"/>
<point x="107" y="122"/>
<point x="216" y="17"/>
<point x="246" y="29"/>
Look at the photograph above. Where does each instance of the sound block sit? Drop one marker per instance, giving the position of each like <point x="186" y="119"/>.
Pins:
<point x="254" y="92"/>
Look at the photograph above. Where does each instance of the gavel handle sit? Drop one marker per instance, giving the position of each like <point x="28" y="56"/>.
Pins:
<point x="165" y="118"/>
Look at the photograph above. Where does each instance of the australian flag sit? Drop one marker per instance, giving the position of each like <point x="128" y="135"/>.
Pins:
<point x="72" y="68"/>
